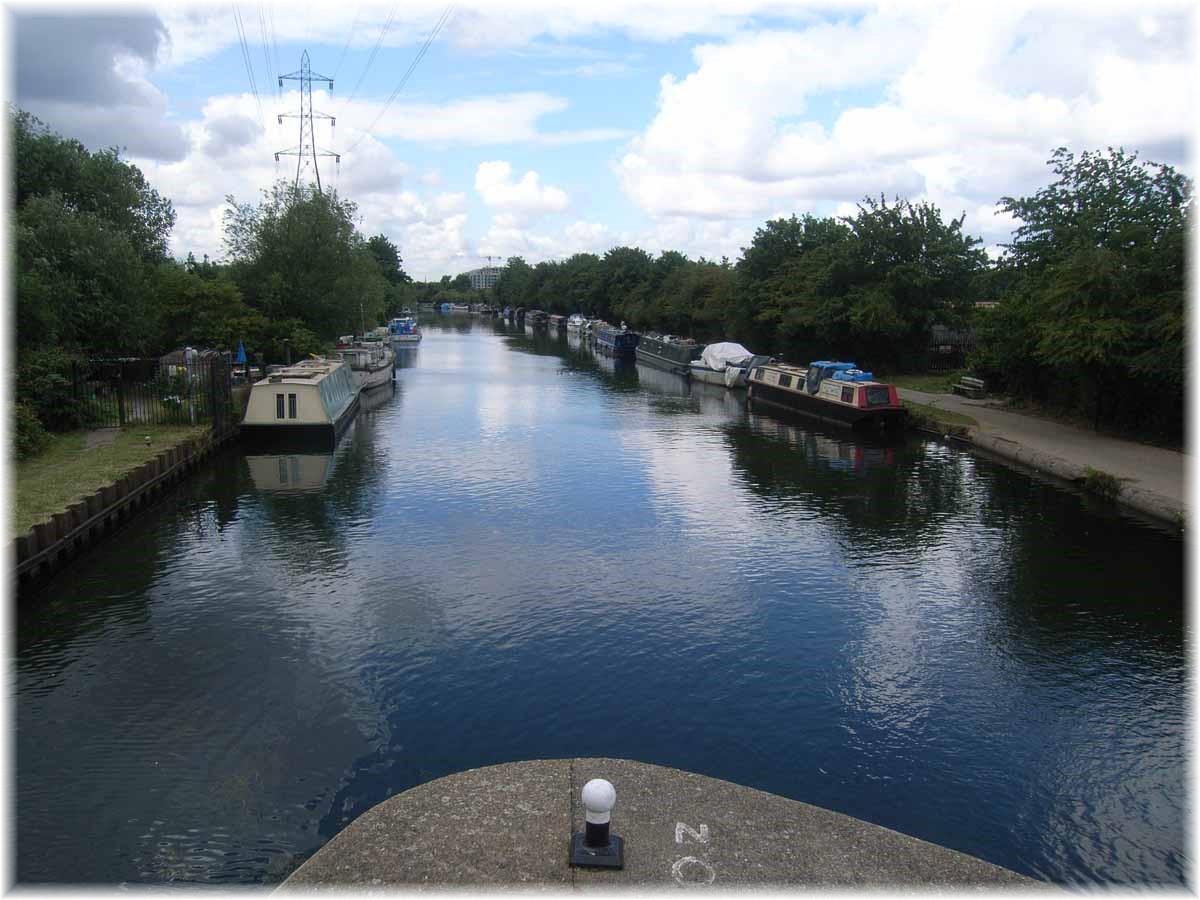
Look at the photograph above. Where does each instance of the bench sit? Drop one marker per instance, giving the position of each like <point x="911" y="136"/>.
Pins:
<point x="973" y="388"/>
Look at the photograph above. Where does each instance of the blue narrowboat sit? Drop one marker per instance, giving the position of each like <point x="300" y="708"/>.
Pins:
<point x="617" y="341"/>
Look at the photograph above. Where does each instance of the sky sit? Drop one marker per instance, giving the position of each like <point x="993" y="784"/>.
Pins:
<point x="543" y="129"/>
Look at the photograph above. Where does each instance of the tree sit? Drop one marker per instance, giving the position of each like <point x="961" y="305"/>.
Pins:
<point x="298" y="256"/>
<point x="97" y="183"/>
<point x="387" y="257"/>
<point x="1099" y="260"/>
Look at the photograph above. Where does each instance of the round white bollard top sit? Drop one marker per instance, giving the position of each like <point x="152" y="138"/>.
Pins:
<point x="599" y="797"/>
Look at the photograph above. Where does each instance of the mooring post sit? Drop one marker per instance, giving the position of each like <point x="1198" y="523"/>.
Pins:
<point x="596" y="846"/>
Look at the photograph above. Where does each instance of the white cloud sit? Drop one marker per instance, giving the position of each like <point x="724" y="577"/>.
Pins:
<point x="519" y="200"/>
<point x="959" y="120"/>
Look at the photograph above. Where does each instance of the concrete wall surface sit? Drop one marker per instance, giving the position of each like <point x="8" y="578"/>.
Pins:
<point x="509" y="826"/>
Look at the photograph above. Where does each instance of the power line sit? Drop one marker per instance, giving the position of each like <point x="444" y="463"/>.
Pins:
<point x="375" y="50"/>
<point x="412" y="66"/>
<point x="237" y="19"/>
<point x="262" y="30"/>
<point x="353" y="24"/>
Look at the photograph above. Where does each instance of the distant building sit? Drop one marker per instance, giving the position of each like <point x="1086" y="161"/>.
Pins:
<point x="485" y="277"/>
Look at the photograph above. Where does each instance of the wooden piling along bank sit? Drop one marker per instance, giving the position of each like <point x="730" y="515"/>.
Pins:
<point x="48" y="546"/>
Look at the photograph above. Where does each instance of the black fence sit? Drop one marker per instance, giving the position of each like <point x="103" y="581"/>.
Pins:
<point x="949" y="348"/>
<point x="155" y="392"/>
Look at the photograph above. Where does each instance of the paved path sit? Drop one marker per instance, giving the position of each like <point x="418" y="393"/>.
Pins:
<point x="1152" y="479"/>
<point x="99" y="437"/>
<point x="509" y="826"/>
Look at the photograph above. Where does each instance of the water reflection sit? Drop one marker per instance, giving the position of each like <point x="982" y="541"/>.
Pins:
<point x="898" y="630"/>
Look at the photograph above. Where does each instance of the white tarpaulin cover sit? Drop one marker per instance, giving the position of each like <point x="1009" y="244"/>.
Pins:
<point x="718" y="356"/>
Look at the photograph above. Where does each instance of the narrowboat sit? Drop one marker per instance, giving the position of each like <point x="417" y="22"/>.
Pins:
<point x="372" y="362"/>
<point x="837" y="392"/>
<point x="557" y="323"/>
<point x="404" y="331"/>
<point x="666" y="352"/>
<point x="725" y="364"/>
<point x="616" y="341"/>
<point x="311" y="403"/>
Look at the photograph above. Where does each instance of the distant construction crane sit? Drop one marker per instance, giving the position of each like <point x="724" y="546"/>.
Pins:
<point x="307" y="148"/>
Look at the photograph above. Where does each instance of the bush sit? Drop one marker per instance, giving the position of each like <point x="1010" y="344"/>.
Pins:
<point x="44" y="385"/>
<point x="29" y="437"/>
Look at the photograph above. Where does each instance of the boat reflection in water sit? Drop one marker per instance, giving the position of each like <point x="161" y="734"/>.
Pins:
<point x="660" y="381"/>
<point x="857" y="455"/>
<point x="717" y="400"/>
<point x="290" y="473"/>
<point x="406" y="355"/>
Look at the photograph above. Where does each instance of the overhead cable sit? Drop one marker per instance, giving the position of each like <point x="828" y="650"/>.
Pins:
<point x="404" y="79"/>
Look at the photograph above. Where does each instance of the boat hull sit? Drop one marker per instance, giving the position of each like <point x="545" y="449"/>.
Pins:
<point x="406" y="338"/>
<point x="650" y="358"/>
<point x="838" y="414"/>
<point x="374" y="378"/>
<point x="315" y="436"/>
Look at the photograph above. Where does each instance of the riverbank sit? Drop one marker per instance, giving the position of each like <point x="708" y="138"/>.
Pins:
<point x="509" y="825"/>
<point x="106" y="477"/>
<point x="82" y="462"/>
<point x="1143" y="477"/>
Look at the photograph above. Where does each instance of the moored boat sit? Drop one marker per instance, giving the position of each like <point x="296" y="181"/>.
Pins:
<point x="536" y="318"/>
<point x="616" y="341"/>
<point x="837" y="392"/>
<point x="372" y="362"/>
<point x="667" y="352"/>
<point x="575" y="322"/>
<point x="404" y="331"/>
<point x="725" y="363"/>
<point x="310" y="402"/>
<point x="556" y="322"/>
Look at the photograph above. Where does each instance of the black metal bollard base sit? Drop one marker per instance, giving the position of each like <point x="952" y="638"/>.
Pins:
<point x="606" y="856"/>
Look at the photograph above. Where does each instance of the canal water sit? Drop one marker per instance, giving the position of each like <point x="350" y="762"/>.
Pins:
<point x="525" y="552"/>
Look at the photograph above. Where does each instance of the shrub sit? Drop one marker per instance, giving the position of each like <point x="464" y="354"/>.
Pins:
<point x="44" y="385"/>
<point x="29" y="437"/>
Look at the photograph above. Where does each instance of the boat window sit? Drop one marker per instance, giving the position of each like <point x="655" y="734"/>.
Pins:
<point x="878" y="395"/>
<point x="785" y="380"/>
<point x="847" y="395"/>
<point x="291" y="406"/>
<point x="279" y="406"/>
<point x="758" y="375"/>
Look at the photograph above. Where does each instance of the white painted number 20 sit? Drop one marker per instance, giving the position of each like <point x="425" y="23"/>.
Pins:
<point x="692" y="869"/>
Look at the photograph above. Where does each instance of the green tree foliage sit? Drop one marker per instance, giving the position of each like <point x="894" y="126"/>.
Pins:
<point x="297" y="257"/>
<point x="387" y="257"/>
<point x="99" y="183"/>
<point x="88" y="231"/>
<point x="205" y="311"/>
<point x="1097" y="267"/>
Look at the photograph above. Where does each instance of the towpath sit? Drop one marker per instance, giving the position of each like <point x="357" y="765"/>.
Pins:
<point x="1152" y="478"/>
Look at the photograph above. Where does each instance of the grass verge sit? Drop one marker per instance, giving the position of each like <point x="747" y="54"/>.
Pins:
<point x="67" y="471"/>
<point x="931" y="418"/>
<point x="928" y="382"/>
<point x="1101" y="483"/>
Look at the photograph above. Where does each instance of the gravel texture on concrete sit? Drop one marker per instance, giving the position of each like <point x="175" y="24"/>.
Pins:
<point x="1152" y="478"/>
<point x="509" y="826"/>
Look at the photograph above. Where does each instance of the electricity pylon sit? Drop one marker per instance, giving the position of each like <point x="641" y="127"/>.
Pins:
<point x="308" y="135"/>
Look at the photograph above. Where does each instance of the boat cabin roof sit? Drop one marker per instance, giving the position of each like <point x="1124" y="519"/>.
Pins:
<point x="802" y="372"/>
<point x="307" y="371"/>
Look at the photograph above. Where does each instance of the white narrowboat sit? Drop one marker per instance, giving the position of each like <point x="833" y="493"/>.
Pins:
<point x="372" y="362"/>
<point x="837" y="392"/>
<point x="310" y="403"/>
